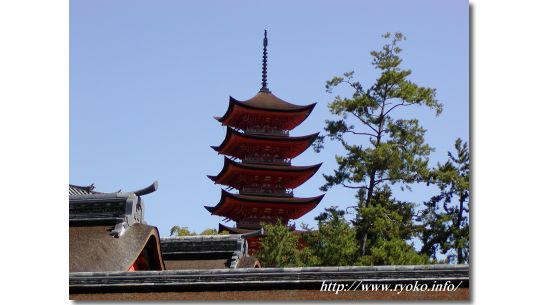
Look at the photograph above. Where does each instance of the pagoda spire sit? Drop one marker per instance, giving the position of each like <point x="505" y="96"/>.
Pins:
<point x="259" y="151"/>
<point x="264" y="64"/>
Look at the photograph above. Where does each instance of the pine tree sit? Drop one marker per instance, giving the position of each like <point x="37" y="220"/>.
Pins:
<point x="395" y="150"/>
<point x="279" y="247"/>
<point x="446" y="217"/>
<point x="333" y="244"/>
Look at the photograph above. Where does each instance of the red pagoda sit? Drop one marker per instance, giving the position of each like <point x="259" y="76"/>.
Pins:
<point x="259" y="149"/>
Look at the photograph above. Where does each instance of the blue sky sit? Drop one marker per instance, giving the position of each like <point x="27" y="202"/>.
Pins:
<point x="147" y="77"/>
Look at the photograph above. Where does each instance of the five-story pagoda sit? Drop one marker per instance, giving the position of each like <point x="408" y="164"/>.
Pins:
<point x="259" y="150"/>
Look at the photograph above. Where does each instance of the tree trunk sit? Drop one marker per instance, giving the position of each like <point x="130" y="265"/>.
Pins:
<point x="371" y="183"/>
<point x="458" y="228"/>
<point x="364" y="237"/>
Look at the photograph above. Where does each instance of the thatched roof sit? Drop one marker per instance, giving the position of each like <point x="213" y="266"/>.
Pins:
<point x="93" y="248"/>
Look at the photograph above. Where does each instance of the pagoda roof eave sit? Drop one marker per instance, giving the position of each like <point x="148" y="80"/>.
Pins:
<point x="209" y="208"/>
<point x="290" y="108"/>
<point x="294" y="201"/>
<point x="228" y="163"/>
<point x="273" y="103"/>
<point x="293" y="168"/>
<point x="230" y="132"/>
<point x="282" y="200"/>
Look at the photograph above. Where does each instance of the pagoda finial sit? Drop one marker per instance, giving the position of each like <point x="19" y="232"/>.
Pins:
<point x="264" y="64"/>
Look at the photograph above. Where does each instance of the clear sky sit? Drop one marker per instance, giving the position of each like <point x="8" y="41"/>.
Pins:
<point x="147" y="77"/>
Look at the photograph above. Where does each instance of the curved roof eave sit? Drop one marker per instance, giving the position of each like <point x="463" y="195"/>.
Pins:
<point x="232" y="132"/>
<point x="302" y="201"/>
<point x="276" y="200"/>
<point x="280" y="106"/>
<point x="236" y="103"/>
<point x="228" y="162"/>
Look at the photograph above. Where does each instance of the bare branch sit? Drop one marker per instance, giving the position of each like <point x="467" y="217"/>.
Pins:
<point x="356" y="86"/>
<point x="361" y="133"/>
<point x="354" y="187"/>
<point x="376" y="182"/>
<point x="363" y="121"/>
<point x="397" y="105"/>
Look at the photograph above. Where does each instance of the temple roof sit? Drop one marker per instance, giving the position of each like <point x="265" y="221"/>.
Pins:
<point x="290" y="147"/>
<point x="297" y="283"/>
<point x="204" y="251"/>
<point x="268" y="104"/>
<point x="92" y="248"/>
<point x="233" y="206"/>
<point x="252" y="235"/>
<point x="233" y="230"/>
<point x="234" y="173"/>
<point x="107" y="231"/>
<point x="81" y="190"/>
<point x="118" y="209"/>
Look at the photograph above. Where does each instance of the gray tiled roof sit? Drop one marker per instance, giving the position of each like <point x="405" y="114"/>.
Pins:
<point x="81" y="190"/>
<point x="120" y="209"/>
<point x="266" y="278"/>
<point x="203" y="243"/>
<point x="204" y="249"/>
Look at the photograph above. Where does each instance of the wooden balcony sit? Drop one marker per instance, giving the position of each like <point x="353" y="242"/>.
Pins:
<point x="266" y="192"/>
<point x="268" y="132"/>
<point x="271" y="161"/>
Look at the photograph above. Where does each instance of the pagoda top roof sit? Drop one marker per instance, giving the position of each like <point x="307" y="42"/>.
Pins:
<point x="268" y="103"/>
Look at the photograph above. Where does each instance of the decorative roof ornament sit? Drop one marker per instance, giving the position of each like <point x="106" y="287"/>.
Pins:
<point x="121" y="209"/>
<point x="264" y="64"/>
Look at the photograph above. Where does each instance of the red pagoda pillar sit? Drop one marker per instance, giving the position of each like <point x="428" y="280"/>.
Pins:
<point x="258" y="166"/>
